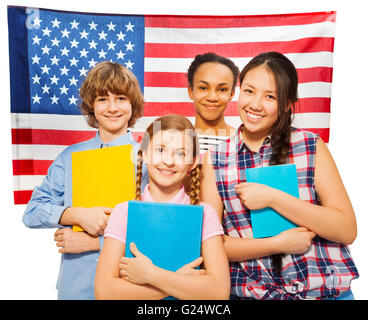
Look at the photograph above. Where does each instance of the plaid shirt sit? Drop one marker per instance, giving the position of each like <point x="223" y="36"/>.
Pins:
<point x="325" y="270"/>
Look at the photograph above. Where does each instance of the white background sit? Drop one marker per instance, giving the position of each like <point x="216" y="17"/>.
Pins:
<point x="29" y="260"/>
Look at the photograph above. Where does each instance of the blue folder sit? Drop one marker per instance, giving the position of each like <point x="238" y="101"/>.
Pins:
<point x="169" y="234"/>
<point x="267" y="222"/>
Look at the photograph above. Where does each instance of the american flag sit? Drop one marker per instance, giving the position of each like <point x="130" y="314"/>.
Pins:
<point x="52" y="51"/>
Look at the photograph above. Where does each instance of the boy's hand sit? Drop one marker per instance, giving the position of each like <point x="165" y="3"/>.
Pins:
<point x="75" y="242"/>
<point x="94" y="220"/>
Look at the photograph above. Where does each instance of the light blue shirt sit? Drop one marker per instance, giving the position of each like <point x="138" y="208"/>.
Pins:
<point x="47" y="204"/>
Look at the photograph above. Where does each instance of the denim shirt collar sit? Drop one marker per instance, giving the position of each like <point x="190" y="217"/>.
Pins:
<point x="122" y="140"/>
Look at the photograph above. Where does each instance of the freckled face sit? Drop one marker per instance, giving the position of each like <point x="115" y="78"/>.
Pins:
<point x="212" y="90"/>
<point x="257" y="104"/>
<point x="113" y="113"/>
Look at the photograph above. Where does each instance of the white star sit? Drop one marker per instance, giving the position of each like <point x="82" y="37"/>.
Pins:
<point x="121" y="36"/>
<point x="64" y="70"/>
<point x="45" y="69"/>
<point x="92" y="63"/>
<point x="102" y="35"/>
<point x="65" y="33"/>
<point x="74" y="43"/>
<point x="73" y="62"/>
<point x="92" y="44"/>
<point x="64" y="52"/>
<point x="64" y="90"/>
<point x="129" y="46"/>
<point x="111" y="26"/>
<point x="36" y="40"/>
<point x="54" y="80"/>
<point x="111" y="45"/>
<point x="36" y="79"/>
<point x="55" y="23"/>
<point x="73" y="100"/>
<point x="82" y="72"/>
<point x="129" y="26"/>
<point x="102" y="54"/>
<point x="35" y="59"/>
<point x="84" y="34"/>
<point x="46" y="31"/>
<point x="54" y="99"/>
<point x="45" y="89"/>
<point x="120" y="55"/>
<point x="129" y="64"/>
<point x="55" y="42"/>
<point x="36" y="99"/>
<point x="73" y="81"/>
<point x="54" y="60"/>
<point x="45" y="49"/>
<point x="92" y="25"/>
<point x="37" y="22"/>
<point x="74" y="24"/>
<point x="83" y="53"/>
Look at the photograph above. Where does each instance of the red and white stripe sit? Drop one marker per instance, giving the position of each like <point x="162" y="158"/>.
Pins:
<point x="171" y="43"/>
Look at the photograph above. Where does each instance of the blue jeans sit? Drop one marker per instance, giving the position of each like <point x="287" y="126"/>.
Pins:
<point x="347" y="295"/>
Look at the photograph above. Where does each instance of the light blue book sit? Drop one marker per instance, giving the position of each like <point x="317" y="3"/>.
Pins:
<point x="169" y="234"/>
<point x="267" y="222"/>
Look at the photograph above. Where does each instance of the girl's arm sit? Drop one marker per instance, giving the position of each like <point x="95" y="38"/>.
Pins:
<point x="108" y="284"/>
<point x="334" y="220"/>
<point x="214" y="284"/>
<point x="293" y="241"/>
<point x="208" y="191"/>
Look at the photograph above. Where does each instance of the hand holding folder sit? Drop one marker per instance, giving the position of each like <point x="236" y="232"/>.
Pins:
<point x="94" y="220"/>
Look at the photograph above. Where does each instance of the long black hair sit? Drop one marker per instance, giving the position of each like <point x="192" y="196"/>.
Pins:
<point x="286" y="79"/>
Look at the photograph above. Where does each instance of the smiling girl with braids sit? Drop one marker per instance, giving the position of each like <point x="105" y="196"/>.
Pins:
<point x="308" y="262"/>
<point x="170" y="149"/>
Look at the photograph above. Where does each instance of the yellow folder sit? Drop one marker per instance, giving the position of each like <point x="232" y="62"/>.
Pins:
<point x="102" y="177"/>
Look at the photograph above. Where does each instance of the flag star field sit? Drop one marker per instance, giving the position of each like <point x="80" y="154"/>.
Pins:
<point x="63" y="48"/>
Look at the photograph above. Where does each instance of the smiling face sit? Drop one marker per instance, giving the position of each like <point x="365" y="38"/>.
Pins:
<point x="112" y="112"/>
<point x="257" y="104"/>
<point x="212" y="90"/>
<point x="169" y="158"/>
